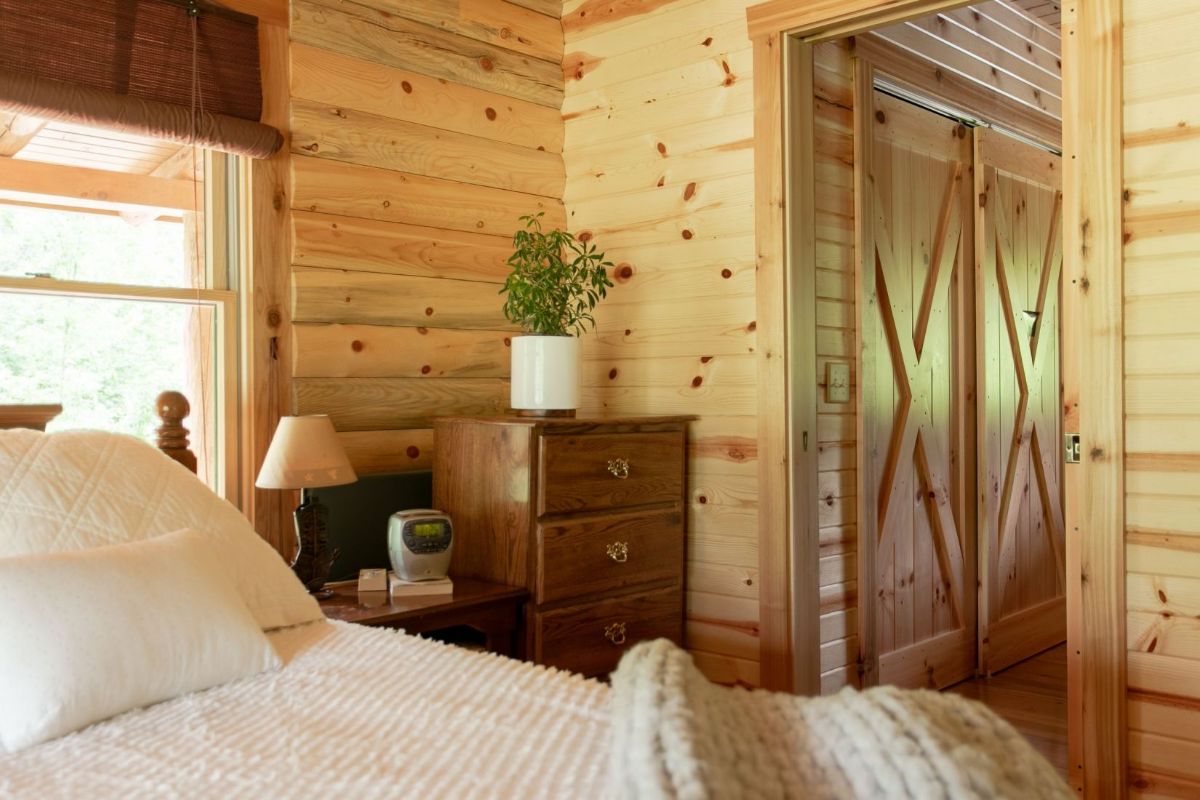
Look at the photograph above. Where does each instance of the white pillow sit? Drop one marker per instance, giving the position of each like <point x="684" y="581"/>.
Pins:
<point x="86" y="635"/>
<point x="78" y="489"/>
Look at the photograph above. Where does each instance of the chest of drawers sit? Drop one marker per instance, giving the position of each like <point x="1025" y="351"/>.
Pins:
<point x="589" y="515"/>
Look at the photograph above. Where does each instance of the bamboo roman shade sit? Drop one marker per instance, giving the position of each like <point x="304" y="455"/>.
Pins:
<point x="128" y="65"/>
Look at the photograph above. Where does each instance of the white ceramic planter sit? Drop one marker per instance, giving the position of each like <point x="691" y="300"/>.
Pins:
<point x="545" y="373"/>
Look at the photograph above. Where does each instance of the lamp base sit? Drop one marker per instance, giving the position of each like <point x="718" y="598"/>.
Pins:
<point x="313" y="555"/>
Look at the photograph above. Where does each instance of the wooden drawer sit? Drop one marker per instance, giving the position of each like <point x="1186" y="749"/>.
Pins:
<point x="609" y="470"/>
<point x="587" y="638"/>
<point x="579" y="557"/>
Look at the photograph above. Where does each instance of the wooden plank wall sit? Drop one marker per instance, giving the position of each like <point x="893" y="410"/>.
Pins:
<point x="833" y="144"/>
<point x="659" y="162"/>
<point x="1162" y="404"/>
<point x="420" y="133"/>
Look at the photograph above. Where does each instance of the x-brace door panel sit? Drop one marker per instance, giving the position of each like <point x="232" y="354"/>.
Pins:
<point x="917" y="186"/>
<point x="1018" y="223"/>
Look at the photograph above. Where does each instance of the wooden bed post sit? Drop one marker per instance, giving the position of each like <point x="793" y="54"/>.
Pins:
<point x="173" y="408"/>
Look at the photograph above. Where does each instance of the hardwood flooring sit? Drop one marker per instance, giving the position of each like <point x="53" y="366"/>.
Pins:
<point x="1032" y="696"/>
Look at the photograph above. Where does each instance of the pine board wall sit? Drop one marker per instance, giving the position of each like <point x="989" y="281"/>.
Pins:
<point x="833" y="145"/>
<point x="1162" y="378"/>
<point x="659" y="161"/>
<point x="420" y="132"/>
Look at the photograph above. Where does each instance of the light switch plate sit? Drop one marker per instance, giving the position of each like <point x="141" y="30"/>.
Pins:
<point x="837" y="382"/>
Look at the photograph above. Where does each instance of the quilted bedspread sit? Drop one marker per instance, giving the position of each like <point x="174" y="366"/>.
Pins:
<point x="355" y="713"/>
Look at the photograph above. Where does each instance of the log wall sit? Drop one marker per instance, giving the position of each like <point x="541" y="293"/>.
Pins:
<point x="1162" y="409"/>
<point x="420" y="132"/>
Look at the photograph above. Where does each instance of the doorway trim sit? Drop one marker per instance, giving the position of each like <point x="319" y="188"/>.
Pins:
<point x="1092" y="313"/>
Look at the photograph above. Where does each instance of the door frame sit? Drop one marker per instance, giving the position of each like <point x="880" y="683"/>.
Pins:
<point x="782" y="33"/>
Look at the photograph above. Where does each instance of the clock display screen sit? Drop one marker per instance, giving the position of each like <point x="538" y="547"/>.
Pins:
<point x="427" y="529"/>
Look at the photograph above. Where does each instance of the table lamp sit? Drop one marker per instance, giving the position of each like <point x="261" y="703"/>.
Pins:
<point x="305" y="454"/>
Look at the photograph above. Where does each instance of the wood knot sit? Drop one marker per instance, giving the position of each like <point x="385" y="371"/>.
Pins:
<point x="707" y="41"/>
<point x="508" y="341"/>
<point x="880" y="117"/>
<point x="412" y="451"/>
<point x="486" y="64"/>
<point x="356" y="346"/>
<point x="752" y="327"/>
<point x="687" y="234"/>
<point x="274" y="318"/>
<point x="429" y="311"/>
<point x="406" y="86"/>
<point x="490" y="113"/>
<point x="624" y="272"/>
<point x="662" y="149"/>
<point x="422" y="330"/>
<point x="696" y="381"/>
<point x="727" y="273"/>
<point x="705" y="359"/>
<point x="612" y="374"/>
<point x="628" y="331"/>
<point x="584" y="236"/>
<point x="689" y="191"/>
<point x="701" y="499"/>
<point x="426" y="369"/>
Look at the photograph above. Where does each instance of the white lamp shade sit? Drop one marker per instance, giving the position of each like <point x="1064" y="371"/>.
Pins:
<point x="305" y="454"/>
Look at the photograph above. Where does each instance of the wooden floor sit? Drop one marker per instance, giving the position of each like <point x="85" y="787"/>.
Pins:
<point x="1032" y="696"/>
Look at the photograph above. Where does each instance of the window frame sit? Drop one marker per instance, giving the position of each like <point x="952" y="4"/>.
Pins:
<point x="225" y="191"/>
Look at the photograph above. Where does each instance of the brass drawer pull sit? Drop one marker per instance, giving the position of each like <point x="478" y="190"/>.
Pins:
<point x="618" y="551"/>
<point x="619" y="468"/>
<point x="615" y="632"/>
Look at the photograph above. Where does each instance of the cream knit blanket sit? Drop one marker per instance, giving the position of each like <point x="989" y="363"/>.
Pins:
<point x="675" y="735"/>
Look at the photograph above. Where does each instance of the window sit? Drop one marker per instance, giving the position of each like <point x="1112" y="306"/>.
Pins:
<point x="117" y="268"/>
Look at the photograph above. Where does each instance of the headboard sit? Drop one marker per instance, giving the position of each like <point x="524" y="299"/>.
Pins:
<point x="31" y="416"/>
<point x="172" y="408"/>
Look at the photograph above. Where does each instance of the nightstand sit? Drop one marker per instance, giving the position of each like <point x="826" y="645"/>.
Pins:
<point x="492" y="610"/>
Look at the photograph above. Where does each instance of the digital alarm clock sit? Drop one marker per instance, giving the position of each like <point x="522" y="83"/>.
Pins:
<point x="419" y="541"/>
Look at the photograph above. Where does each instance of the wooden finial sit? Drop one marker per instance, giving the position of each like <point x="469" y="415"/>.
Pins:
<point x="172" y="408"/>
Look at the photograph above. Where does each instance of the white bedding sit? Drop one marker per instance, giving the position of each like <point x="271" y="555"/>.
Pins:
<point x="355" y="713"/>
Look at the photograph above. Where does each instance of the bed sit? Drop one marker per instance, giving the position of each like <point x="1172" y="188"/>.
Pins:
<point x="354" y="711"/>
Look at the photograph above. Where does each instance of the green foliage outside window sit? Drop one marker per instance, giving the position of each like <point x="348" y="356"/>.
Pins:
<point x="104" y="360"/>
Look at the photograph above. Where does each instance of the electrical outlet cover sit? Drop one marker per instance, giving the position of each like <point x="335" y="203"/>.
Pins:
<point x="837" y="382"/>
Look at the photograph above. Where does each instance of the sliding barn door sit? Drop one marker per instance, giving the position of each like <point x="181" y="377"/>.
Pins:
<point x="1022" y="607"/>
<point x="916" y="542"/>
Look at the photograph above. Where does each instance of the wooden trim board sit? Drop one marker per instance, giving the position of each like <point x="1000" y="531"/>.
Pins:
<point x="1093" y="312"/>
<point x="775" y="609"/>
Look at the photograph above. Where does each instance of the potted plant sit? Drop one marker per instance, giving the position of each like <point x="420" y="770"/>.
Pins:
<point x="555" y="283"/>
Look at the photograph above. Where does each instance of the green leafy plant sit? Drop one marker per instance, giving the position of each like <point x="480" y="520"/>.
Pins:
<point x="555" y="283"/>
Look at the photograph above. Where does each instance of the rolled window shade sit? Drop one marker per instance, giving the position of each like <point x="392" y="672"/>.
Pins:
<point x="127" y="65"/>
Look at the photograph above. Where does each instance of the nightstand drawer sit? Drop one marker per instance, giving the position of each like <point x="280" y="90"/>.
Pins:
<point x="610" y="470"/>
<point x="590" y="639"/>
<point x="580" y="557"/>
